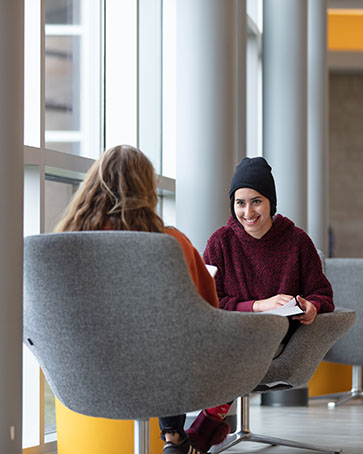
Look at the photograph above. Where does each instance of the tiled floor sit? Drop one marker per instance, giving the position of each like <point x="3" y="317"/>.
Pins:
<point x="340" y="427"/>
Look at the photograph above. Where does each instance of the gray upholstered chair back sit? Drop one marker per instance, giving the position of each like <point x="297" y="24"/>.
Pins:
<point x="120" y="330"/>
<point x="346" y="277"/>
<point x="322" y="259"/>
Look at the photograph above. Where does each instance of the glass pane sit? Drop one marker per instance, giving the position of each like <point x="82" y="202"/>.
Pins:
<point x="49" y="412"/>
<point x="73" y="68"/>
<point x="62" y="83"/>
<point x="62" y="11"/>
<point x="254" y="102"/>
<point x="32" y="103"/>
<point x="121" y="73"/>
<point x="57" y="195"/>
<point x="149" y="107"/>
<point x="169" y="90"/>
<point x="254" y="10"/>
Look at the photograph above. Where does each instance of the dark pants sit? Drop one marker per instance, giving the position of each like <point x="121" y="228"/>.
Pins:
<point x="172" y="424"/>
<point x="293" y="326"/>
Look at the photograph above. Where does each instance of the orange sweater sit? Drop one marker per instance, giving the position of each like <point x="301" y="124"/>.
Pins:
<point x="200" y="275"/>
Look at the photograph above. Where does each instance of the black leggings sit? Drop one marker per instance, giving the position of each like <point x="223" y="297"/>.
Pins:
<point x="171" y="424"/>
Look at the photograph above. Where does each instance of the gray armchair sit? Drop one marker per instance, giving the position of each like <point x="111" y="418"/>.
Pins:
<point x="291" y="369"/>
<point x="121" y="332"/>
<point x="346" y="277"/>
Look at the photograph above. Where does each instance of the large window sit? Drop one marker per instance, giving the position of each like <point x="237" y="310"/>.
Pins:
<point x="63" y="133"/>
<point x="93" y="78"/>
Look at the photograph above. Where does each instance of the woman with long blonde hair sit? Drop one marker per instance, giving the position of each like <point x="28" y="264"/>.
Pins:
<point x="119" y="193"/>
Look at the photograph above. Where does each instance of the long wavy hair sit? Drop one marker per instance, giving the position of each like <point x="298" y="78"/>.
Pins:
<point x="118" y="193"/>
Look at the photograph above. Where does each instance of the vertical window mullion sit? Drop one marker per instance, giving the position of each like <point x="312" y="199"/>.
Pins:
<point x="150" y="80"/>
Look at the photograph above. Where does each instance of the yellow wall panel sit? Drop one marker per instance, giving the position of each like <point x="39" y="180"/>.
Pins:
<point x="330" y="378"/>
<point x="79" y="434"/>
<point x="345" y="30"/>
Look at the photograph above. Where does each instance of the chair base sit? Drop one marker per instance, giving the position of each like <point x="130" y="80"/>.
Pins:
<point x="342" y="398"/>
<point x="240" y="436"/>
<point x="244" y="434"/>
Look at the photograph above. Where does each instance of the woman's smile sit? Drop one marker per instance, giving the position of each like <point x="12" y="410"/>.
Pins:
<point x="251" y="221"/>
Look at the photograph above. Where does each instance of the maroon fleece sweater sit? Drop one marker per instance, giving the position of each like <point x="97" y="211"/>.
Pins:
<point x="284" y="260"/>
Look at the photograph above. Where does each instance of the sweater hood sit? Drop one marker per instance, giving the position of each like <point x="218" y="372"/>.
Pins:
<point x="281" y="225"/>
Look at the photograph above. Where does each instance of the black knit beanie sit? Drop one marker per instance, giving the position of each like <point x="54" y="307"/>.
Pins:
<point x="254" y="173"/>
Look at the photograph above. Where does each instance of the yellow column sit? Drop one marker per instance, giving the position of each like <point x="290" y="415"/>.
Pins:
<point x="330" y="378"/>
<point x="87" y="435"/>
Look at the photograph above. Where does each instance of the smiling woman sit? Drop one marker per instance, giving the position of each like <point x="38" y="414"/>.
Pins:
<point x="263" y="262"/>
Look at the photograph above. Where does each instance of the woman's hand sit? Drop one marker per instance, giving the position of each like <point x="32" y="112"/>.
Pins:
<point x="310" y="311"/>
<point x="271" y="303"/>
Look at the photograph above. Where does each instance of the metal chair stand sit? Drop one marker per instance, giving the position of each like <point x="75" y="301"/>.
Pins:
<point x="141" y="436"/>
<point x="355" y="392"/>
<point x="343" y="397"/>
<point x="243" y="433"/>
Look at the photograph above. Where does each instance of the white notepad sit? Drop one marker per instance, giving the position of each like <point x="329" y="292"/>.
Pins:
<point x="212" y="270"/>
<point x="290" y="308"/>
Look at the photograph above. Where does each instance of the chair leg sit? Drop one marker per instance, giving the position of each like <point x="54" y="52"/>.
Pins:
<point x="141" y="436"/>
<point x="345" y="396"/>
<point x="356" y="390"/>
<point x="243" y="433"/>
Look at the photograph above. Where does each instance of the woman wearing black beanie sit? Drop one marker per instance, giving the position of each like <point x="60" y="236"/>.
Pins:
<point x="263" y="262"/>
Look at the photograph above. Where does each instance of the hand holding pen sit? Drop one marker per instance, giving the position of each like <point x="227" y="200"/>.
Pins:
<point x="309" y="309"/>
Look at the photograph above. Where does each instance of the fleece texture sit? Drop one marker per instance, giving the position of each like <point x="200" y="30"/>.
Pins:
<point x="283" y="261"/>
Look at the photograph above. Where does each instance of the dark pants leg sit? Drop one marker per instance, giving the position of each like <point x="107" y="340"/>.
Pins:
<point x="172" y="424"/>
<point x="293" y="326"/>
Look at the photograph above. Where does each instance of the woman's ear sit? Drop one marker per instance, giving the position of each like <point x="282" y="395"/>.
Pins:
<point x="232" y="207"/>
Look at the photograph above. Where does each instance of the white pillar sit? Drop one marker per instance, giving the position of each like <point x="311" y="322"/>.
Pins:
<point x="210" y="111"/>
<point x="11" y="223"/>
<point x="317" y="124"/>
<point x="285" y="103"/>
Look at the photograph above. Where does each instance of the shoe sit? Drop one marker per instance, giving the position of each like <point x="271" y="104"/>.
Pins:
<point x="183" y="448"/>
<point x="207" y="431"/>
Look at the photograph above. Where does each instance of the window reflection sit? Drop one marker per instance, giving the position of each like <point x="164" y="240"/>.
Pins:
<point x="62" y="84"/>
<point x="73" y="68"/>
<point x="58" y="193"/>
<point x="62" y="11"/>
